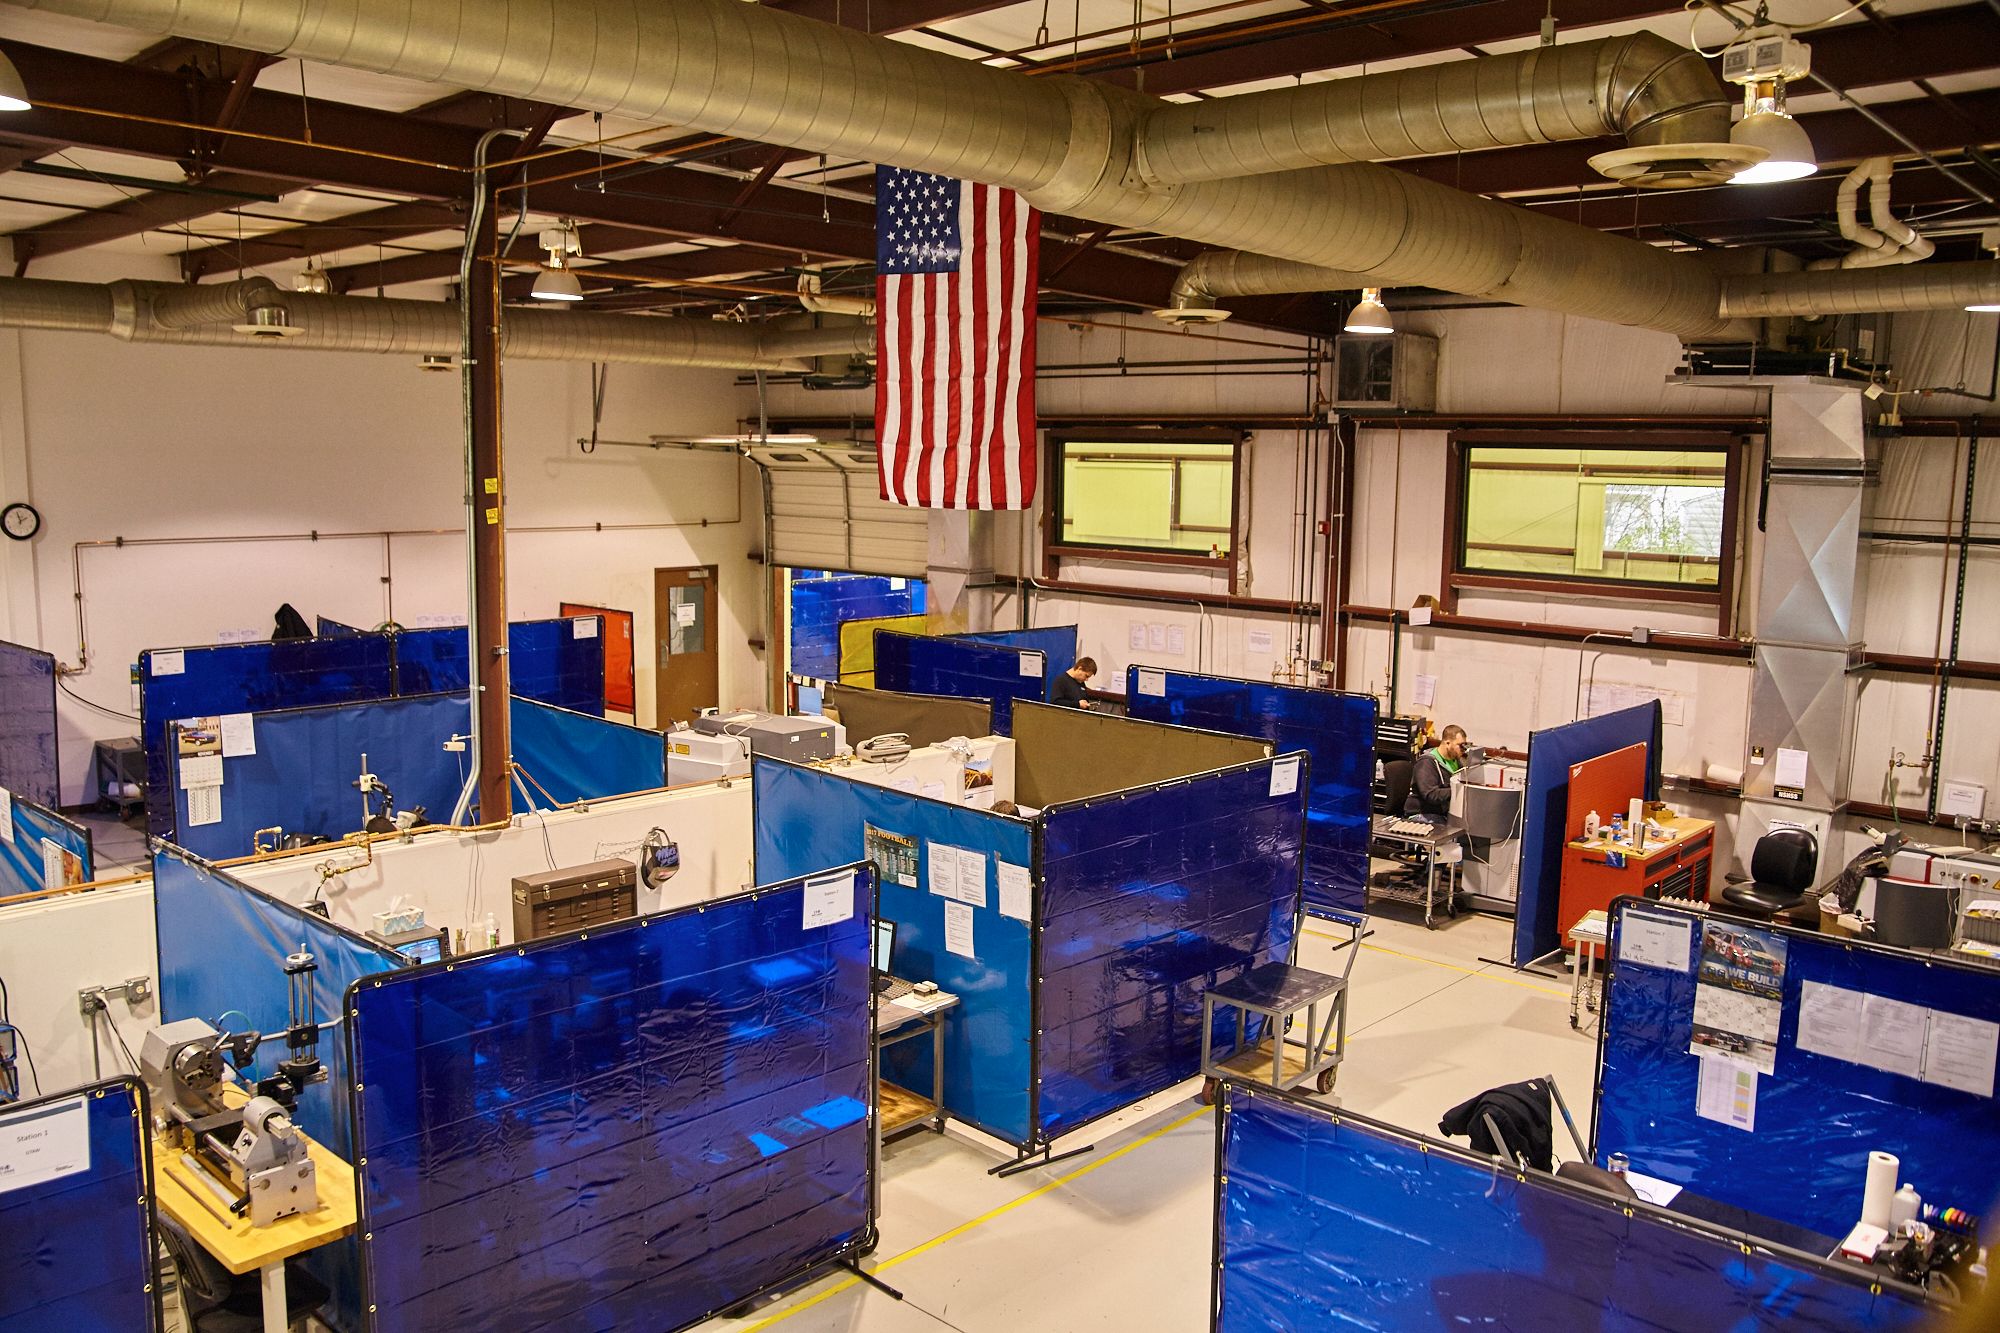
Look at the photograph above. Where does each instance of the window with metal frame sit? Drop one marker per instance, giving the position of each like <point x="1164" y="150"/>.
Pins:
<point x="1147" y="495"/>
<point x="1649" y="514"/>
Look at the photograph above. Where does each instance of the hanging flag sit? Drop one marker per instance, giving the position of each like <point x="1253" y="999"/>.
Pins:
<point x="956" y="272"/>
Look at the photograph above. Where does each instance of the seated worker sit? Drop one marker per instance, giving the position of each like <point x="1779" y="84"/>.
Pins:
<point x="1430" y="784"/>
<point x="1069" y="690"/>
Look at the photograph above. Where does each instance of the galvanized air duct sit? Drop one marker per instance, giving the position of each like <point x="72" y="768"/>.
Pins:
<point x="1069" y="144"/>
<point x="1220" y="273"/>
<point x="1861" y="290"/>
<point x="132" y="311"/>
<point x="1653" y="91"/>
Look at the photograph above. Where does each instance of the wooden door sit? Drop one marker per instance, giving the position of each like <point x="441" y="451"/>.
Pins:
<point x="685" y="656"/>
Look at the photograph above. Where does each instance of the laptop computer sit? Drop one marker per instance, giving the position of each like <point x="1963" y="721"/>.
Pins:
<point x="887" y="985"/>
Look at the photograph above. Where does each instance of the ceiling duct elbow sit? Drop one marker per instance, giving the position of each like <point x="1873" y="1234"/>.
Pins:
<point x="1217" y="274"/>
<point x="213" y="303"/>
<point x="1659" y="95"/>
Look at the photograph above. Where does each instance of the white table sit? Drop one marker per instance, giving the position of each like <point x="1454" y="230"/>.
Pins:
<point x="1588" y="937"/>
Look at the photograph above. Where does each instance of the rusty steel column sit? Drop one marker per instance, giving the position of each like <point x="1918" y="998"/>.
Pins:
<point x="486" y="543"/>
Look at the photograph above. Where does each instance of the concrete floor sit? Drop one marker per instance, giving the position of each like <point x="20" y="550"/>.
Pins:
<point x="1120" y="1238"/>
<point x="118" y="846"/>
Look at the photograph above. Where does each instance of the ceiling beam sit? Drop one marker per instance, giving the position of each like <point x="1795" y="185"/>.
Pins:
<point x="377" y="226"/>
<point x="1915" y="185"/>
<point x="1911" y="46"/>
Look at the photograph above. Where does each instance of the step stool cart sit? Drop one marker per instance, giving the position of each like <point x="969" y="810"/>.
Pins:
<point x="1305" y="1035"/>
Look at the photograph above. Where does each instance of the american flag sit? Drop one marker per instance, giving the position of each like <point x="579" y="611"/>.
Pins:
<point x="956" y="271"/>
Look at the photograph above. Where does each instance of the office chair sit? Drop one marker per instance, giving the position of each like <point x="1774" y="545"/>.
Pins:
<point x="1397" y="775"/>
<point x="1782" y="867"/>
<point x="215" y="1300"/>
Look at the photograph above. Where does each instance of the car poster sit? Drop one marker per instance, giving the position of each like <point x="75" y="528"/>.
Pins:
<point x="1739" y="995"/>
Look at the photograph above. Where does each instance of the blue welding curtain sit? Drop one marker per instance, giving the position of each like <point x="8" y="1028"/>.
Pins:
<point x="22" y="867"/>
<point x="1818" y="1116"/>
<point x="819" y="605"/>
<point x="1056" y="644"/>
<point x="1545" y="812"/>
<point x="547" y="661"/>
<point x="809" y="817"/>
<point x="28" y="755"/>
<point x="1150" y="897"/>
<point x="301" y="778"/>
<point x="1336" y="730"/>
<point x="246" y="678"/>
<point x="964" y="670"/>
<point x="627" y="1129"/>
<point x="577" y="757"/>
<point x="1325" y="1222"/>
<point x="79" y="1251"/>
<point x="223" y="946"/>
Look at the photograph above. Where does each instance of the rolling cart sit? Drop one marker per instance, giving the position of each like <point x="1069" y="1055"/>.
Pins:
<point x="1306" y="1024"/>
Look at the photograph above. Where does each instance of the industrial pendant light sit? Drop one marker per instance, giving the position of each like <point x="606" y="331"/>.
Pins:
<point x="13" y="92"/>
<point x="1767" y="125"/>
<point x="556" y="281"/>
<point x="1370" y="316"/>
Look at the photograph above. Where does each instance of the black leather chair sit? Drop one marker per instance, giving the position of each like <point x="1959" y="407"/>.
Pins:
<point x="1782" y="867"/>
<point x="214" y="1300"/>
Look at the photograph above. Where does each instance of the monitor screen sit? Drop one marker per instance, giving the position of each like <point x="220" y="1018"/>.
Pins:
<point x="885" y="944"/>
<point x="429" y="949"/>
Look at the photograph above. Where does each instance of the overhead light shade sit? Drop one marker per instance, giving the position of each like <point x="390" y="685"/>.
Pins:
<point x="1788" y="150"/>
<point x="13" y="93"/>
<point x="1370" y="316"/>
<point x="557" y="284"/>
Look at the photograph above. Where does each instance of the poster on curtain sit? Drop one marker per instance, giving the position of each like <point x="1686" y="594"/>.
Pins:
<point x="1739" y="995"/>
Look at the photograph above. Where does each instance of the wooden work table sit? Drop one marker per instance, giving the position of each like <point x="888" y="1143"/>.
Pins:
<point x="1596" y="870"/>
<point x="236" y="1244"/>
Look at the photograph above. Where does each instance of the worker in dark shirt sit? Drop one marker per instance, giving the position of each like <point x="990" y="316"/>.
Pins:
<point x="1070" y="689"/>
<point x="1430" y="783"/>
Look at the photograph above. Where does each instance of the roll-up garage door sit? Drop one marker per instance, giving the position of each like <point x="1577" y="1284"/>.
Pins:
<point x="827" y="512"/>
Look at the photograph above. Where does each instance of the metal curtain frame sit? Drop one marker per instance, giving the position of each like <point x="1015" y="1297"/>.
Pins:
<point x="1034" y="880"/>
<point x="142" y="1130"/>
<point x="1281" y="685"/>
<point x="846" y="1256"/>
<point x="1723" y="1236"/>
<point x="1039" y="1145"/>
<point x="1922" y="958"/>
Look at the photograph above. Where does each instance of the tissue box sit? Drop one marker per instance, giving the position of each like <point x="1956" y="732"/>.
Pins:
<point x="399" y="919"/>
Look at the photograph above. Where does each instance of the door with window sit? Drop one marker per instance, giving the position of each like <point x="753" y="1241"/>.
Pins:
<point x="685" y="657"/>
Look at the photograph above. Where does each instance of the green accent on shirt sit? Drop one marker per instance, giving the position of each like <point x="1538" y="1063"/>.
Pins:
<point x="1448" y="765"/>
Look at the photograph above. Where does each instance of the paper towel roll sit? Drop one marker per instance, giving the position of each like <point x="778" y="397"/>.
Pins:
<point x="1728" y="777"/>
<point x="1879" y="1193"/>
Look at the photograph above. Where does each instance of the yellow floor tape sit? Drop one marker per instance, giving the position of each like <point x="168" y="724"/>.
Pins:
<point x="1469" y="971"/>
<point x="1106" y="1160"/>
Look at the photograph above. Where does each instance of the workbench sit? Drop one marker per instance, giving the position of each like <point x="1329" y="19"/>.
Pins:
<point x="236" y="1244"/>
<point x="1595" y="870"/>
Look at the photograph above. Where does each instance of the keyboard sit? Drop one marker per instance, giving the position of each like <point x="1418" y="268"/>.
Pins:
<point x="892" y="988"/>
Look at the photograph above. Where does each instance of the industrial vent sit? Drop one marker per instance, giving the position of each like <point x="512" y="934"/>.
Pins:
<point x="1385" y="372"/>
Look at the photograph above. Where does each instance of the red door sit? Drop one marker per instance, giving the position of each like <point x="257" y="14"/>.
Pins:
<point x="619" y="691"/>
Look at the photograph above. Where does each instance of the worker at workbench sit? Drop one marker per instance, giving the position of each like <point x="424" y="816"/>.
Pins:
<point x="1430" y="784"/>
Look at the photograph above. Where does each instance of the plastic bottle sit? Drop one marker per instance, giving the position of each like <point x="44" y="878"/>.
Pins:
<point x="1617" y="828"/>
<point x="492" y="932"/>
<point x="1591" y="825"/>
<point x="1907" y="1206"/>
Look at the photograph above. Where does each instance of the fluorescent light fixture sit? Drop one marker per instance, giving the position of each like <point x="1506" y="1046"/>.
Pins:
<point x="1371" y="316"/>
<point x="1767" y="125"/>
<point x="1986" y="308"/>
<point x="13" y="92"/>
